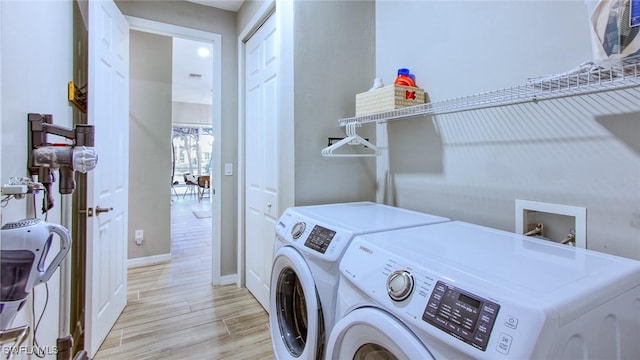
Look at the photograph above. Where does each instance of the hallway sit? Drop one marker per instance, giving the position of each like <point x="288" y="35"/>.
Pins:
<point x="174" y="312"/>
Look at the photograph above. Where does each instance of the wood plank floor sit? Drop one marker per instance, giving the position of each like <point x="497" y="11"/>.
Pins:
<point x="173" y="311"/>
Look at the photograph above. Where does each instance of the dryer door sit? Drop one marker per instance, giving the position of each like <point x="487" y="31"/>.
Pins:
<point x="295" y="315"/>
<point x="370" y="333"/>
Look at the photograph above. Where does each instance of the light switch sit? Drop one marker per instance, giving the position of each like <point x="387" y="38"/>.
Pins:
<point x="228" y="169"/>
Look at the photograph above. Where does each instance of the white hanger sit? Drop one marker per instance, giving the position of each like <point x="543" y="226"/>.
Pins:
<point x="351" y="139"/>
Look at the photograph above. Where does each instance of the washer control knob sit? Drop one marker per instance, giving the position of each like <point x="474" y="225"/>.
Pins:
<point x="399" y="285"/>
<point x="298" y="230"/>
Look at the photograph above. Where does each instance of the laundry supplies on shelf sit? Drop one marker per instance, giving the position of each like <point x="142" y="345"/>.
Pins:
<point x="379" y="98"/>
<point x="388" y="98"/>
<point x="405" y="78"/>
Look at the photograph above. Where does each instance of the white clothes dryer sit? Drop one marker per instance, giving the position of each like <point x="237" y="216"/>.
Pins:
<point x="461" y="291"/>
<point x="310" y="241"/>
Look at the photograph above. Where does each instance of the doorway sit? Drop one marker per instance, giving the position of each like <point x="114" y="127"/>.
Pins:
<point x="191" y="147"/>
<point x="210" y="119"/>
<point x="192" y="135"/>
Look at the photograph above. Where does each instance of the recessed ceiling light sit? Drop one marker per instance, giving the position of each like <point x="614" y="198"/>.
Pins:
<point x="203" y="52"/>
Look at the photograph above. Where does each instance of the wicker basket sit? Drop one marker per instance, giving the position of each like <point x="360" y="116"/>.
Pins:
<point x="388" y="98"/>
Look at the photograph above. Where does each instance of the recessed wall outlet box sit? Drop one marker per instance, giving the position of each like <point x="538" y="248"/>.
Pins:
<point x="14" y="189"/>
<point x="559" y="220"/>
<point x="139" y="236"/>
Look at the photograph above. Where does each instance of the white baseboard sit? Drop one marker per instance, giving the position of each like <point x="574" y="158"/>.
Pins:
<point x="228" y="279"/>
<point x="148" y="260"/>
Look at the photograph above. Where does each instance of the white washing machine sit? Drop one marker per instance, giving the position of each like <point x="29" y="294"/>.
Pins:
<point x="461" y="291"/>
<point x="310" y="241"/>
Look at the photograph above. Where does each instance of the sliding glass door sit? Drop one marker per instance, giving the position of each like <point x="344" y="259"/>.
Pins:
<point x="192" y="148"/>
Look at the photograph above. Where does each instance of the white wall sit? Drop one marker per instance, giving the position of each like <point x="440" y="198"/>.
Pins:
<point x="190" y="113"/>
<point x="36" y="66"/>
<point x="458" y="48"/>
<point x="573" y="151"/>
<point x="1" y="178"/>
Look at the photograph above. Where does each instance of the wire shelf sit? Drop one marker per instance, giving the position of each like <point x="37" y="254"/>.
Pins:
<point x="586" y="79"/>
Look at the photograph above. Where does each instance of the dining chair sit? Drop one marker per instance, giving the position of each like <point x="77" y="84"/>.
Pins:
<point x="192" y="184"/>
<point x="204" y="184"/>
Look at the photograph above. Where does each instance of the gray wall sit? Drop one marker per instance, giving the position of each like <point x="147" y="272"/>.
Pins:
<point x="573" y="151"/>
<point x="246" y="12"/>
<point x="330" y="47"/>
<point x="149" y="143"/>
<point x="333" y="60"/>
<point x="190" y="15"/>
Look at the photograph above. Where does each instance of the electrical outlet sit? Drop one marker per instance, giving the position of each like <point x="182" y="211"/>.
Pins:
<point x="139" y="237"/>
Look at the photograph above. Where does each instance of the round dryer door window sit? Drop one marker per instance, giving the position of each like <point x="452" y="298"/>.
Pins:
<point x="373" y="351"/>
<point x="370" y="333"/>
<point x="295" y="316"/>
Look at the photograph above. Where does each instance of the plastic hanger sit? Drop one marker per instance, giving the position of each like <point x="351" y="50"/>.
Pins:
<point x="351" y="139"/>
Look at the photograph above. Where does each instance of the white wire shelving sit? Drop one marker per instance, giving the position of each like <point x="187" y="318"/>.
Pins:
<point x="584" y="80"/>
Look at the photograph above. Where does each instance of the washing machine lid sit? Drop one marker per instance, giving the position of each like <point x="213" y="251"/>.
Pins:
<point x="365" y="217"/>
<point x="539" y="274"/>
<point x="369" y="332"/>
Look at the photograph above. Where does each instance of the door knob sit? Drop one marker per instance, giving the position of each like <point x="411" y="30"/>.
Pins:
<point x="102" y="210"/>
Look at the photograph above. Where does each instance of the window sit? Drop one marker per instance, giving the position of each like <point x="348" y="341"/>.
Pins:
<point x="192" y="146"/>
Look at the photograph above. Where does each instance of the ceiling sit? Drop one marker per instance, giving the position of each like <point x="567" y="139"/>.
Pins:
<point x="230" y="5"/>
<point x="192" y="74"/>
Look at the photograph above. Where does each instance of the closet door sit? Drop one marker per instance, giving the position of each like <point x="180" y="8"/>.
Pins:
<point x="261" y="158"/>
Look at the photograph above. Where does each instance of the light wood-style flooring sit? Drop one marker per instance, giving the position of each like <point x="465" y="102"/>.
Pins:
<point x="173" y="311"/>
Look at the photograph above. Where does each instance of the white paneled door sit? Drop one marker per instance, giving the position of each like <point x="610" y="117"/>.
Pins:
<point x="261" y="158"/>
<point x="107" y="189"/>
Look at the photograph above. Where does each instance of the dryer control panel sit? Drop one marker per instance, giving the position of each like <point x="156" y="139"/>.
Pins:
<point x="312" y="238"/>
<point x="319" y="239"/>
<point x="324" y="231"/>
<point x="461" y="314"/>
